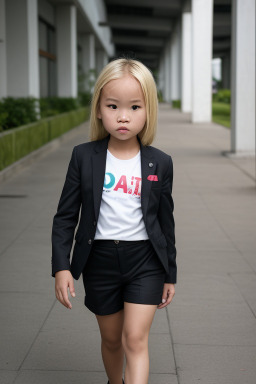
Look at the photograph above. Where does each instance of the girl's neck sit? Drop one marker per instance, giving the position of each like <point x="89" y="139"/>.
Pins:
<point x="125" y="149"/>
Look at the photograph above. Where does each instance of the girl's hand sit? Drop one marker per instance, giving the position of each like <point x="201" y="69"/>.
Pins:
<point x="63" y="280"/>
<point x="168" y="293"/>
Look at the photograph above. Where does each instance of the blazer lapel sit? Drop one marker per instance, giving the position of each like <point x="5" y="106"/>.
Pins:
<point x="98" y="172"/>
<point x="148" y="167"/>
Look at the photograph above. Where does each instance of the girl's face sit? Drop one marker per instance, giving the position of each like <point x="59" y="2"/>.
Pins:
<point x="122" y="108"/>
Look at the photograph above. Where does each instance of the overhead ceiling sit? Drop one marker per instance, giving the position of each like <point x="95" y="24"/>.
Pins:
<point x="140" y="28"/>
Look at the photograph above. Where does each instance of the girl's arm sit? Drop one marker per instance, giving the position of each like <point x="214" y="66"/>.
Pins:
<point x="66" y="218"/>
<point x="166" y="219"/>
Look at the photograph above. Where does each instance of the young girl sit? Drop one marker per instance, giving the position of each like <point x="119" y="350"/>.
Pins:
<point x="125" y="241"/>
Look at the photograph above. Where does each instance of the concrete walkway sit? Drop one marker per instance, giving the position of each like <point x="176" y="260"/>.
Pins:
<point x="206" y="335"/>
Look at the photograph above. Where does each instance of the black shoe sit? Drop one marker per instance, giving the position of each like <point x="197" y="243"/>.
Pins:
<point x="122" y="379"/>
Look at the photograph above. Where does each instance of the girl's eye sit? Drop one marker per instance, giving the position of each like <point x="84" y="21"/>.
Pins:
<point x="135" y="107"/>
<point x="112" y="106"/>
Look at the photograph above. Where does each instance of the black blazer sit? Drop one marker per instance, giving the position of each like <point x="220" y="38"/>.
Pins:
<point x="83" y="188"/>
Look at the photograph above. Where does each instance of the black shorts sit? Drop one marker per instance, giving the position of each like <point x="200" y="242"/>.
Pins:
<point x="119" y="271"/>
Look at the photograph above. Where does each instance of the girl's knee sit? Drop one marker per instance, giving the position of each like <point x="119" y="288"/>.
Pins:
<point x="112" y="343"/>
<point x="134" y="342"/>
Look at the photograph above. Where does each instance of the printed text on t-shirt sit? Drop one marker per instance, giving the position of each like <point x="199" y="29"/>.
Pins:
<point x="132" y="186"/>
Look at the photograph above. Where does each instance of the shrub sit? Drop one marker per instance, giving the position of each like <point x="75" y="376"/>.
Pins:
<point x="18" y="142"/>
<point x="50" y="106"/>
<point x="176" y="104"/>
<point x="160" y="96"/>
<point x="222" y="96"/>
<point x="17" y="111"/>
<point x="84" y="99"/>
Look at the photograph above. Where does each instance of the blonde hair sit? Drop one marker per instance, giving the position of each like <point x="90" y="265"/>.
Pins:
<point x="115" y="70"/>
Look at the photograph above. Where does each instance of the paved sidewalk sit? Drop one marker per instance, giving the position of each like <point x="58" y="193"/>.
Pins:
<point x="206" y="335"/>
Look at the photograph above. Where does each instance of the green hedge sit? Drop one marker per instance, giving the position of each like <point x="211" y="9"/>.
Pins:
<point x="51" y="106"/>
<point x="222" y="96"/>
<point x="15" y="112"/>
<point x="19" y="142"/>
<point x="176" y="104"/>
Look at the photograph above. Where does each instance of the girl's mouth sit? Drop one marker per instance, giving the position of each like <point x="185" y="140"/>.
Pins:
<point x="122" y="130"/>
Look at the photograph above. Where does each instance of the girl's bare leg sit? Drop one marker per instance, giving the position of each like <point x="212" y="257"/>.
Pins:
<point x="137" y="322"/>
<point x="111" y="345"/>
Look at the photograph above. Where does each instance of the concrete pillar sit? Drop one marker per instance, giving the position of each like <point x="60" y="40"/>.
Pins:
<point x="22" y="48"/>
<point x="202" y="21"/>
<point x="101" y="59"/>
<point x="186" y="62"/>
<point x="226" y="71"/>
<point x="167" y="72"/>
<point x="88" y="49"/>
<point x="165" y="65"/>
<point x="243" y="76"/>
<point x="66" y="50"/>
<point x="3" y="74"/>
<point x="160" y="77"/>
<point x="175" y="63"/>
<point x="88" y="59"/>
<point x="105" y="59"/>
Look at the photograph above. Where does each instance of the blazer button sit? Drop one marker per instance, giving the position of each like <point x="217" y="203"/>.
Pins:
<point x="94" y="223"/>
<point x="89" y="241"/>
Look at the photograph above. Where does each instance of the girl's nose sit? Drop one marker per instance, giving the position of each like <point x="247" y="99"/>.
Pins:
<point x="123" y="117"/>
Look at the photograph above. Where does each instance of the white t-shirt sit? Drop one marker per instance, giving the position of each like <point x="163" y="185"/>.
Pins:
<point x="120" y="216"/>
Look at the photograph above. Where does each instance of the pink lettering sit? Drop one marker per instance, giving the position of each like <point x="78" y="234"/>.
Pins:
<point x="137" y="185"/>
<point x="122" y="184"/>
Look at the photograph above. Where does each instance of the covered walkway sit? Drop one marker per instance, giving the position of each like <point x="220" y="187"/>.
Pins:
<point x="206" y="335"/>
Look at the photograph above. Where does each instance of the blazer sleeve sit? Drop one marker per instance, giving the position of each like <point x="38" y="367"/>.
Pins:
<point x="66" y="218"/>
<point x="167" y="223"/>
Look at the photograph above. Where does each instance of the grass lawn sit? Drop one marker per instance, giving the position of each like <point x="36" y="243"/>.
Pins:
<point x="221" y="113"/>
